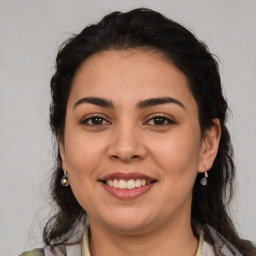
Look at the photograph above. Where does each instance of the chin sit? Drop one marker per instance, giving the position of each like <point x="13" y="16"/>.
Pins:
<point x="128" y="222"/>
<point x="130" y="228"/>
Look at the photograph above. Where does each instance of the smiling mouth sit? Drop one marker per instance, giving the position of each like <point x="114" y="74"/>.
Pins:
<point x="127" y="184"/>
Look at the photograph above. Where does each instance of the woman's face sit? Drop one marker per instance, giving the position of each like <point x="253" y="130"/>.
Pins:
<point x="132" y="143"/>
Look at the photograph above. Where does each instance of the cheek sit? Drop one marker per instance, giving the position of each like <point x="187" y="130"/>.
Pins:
<point x="177" y="155"/>
<point x="82" y="155"/>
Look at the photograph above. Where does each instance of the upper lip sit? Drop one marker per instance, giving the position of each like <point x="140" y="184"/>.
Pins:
<point x="126" y="176"/>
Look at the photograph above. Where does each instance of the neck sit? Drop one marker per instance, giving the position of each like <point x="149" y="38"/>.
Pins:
<point x="175" y="237"/>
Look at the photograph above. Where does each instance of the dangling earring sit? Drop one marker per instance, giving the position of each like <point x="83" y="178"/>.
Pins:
<point x="203" y="181"/>
<point x="64" y="180"/>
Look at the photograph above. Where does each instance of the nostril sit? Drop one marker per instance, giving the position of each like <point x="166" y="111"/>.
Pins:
<point x="134" y="157"/>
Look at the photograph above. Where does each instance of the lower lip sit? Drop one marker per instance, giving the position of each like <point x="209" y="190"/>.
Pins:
<point x="128" y="194"/>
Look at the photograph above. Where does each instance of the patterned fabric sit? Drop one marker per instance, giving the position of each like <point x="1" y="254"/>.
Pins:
<point x="35" y="252"/>
<point x="222" y="246"/>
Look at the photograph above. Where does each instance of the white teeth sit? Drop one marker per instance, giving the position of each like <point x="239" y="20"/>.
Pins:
<point x="122" y="184"/>
<point x="138" y="183"/>
<point x="115" y="183"/>
<point x="129" y="184"/>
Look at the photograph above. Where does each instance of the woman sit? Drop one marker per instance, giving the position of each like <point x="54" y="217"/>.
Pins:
<point x="144" y="153"/>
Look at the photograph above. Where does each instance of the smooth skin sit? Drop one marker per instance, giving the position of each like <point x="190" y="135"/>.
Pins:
<point x="120" y="132"/>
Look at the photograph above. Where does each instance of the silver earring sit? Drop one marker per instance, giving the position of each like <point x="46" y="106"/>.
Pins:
<point x="64" y="180"/>
<point x="203" y="181"/>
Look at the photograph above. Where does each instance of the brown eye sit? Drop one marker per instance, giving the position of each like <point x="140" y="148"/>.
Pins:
<point x="160" y="120"/>
<point x="95" y="121"/>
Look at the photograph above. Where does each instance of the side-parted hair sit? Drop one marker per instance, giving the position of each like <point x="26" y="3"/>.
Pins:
<point x="146" y="29"/>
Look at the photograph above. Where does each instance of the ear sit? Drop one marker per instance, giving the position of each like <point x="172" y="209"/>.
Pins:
<point x="62" y="154"/>
<point x="210" y="146"/>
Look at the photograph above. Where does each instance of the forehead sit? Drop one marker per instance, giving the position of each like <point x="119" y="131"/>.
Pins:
<point x="133" y="74"/>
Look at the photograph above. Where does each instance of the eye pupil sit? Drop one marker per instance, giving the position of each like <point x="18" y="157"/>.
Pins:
<point x="97" y="120"/>
<point x="159" y="120"/>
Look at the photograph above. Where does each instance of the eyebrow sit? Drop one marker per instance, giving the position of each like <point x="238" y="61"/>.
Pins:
<point x="95" y="101"/>
<point x="141" y="105"/>
<point x="158" y="101"/>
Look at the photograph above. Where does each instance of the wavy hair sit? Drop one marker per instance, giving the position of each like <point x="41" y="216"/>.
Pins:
<point x="147" y="29"/>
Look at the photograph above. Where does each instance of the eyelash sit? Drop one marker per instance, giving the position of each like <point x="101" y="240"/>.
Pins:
<point x="165" y="121"/>
<point x="89" y="121"/>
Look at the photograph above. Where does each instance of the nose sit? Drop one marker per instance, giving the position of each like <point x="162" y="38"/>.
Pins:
<point x="127" y="145"/>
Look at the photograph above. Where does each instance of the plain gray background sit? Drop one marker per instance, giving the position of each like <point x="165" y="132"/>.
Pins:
<point x="30" y="33"/>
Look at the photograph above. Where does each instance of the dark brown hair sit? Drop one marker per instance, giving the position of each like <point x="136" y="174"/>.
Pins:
<point x="144" y="28"/>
